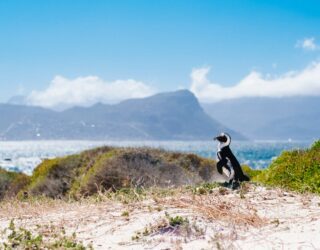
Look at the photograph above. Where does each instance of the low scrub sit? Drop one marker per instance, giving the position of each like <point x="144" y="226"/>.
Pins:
<point x="297" y="170"/>
<point x="117" y="169"/>
<point x="110" y="168"/>
<point x="178" y="225"/>
<point x="126" y="168"/>
<point x="22" y="238"/>
<point x="11" y="183"/>
<point x="252" y="173"/>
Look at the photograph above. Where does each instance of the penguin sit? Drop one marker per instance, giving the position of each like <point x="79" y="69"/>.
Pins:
<point x="228" y="163"/>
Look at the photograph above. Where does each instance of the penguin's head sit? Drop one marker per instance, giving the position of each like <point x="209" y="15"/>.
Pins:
<point x="223" y="138"/>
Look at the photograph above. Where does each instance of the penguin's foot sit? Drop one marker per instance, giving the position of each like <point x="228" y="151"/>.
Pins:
<point x="226" y="184"/>
<point x="232" y="184"/>
<point x="235" y="185"/>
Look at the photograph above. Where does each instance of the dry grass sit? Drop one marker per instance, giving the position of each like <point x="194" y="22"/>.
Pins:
<point x="32" y="207"/>
<point x="223" y="218"/>
<point x="216" y="206"/>
<point x="133" y="198"/>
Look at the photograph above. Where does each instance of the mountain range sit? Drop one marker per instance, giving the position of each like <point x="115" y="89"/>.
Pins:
<point x="296" y="118"/>
<point x="166" y="116"/>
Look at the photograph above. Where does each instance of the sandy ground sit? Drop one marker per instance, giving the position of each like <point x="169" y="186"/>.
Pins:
<point x="255" y="218"/>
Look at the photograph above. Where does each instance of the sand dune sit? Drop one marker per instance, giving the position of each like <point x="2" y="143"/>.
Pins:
<point x="252" y="218"/>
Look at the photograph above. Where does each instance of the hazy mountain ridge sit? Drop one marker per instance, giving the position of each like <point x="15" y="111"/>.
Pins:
<point x="270" y="118"/>
<point x="166" y="116"/>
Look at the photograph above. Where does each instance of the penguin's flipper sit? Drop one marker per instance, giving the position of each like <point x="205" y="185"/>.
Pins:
<point x="220" y="164"/>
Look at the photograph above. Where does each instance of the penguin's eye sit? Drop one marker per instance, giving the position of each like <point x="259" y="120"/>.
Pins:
<point x="224" y="139"/>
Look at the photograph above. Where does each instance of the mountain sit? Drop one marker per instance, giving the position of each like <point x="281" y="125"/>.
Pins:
<point x="17" y="100"/>
<point x="270" y="118"/>
<point x="167" y="116"/>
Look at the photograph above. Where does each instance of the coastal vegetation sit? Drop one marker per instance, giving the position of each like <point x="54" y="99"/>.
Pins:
<point x="129" y="171"/>
<point x="22" y="238"/>
<point x="11" y="183"/>
<point x="131" y="182"/>
<point x="108" y="169"/>
<point x="297" y="170"/>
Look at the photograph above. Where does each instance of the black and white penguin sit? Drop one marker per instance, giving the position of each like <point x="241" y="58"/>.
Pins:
<point x="227" y="162"/>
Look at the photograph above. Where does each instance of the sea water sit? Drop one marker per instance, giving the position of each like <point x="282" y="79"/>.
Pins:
<point x="24" y="156"/>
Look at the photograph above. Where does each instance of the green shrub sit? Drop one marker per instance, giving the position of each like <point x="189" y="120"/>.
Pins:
<point x="109" y="168"/>
<point x="297" y="170"/>
<point x="316" y="145"/>
<point x="53" y="178"/>
<point x="178" y="221"/>
<point x="11" y="183"/>
<point x="125" y="214"/>
<point x="21" y="238"/>
<point x="138" y="168"/>
<point x="56" y="178"/>
<point x="204" y="188"/>
<point x="250" y="171"/>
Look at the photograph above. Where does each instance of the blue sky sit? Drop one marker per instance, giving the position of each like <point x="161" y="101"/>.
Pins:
<point x="156" y="43"/>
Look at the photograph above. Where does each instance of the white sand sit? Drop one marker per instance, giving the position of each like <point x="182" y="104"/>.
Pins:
<point x="290" y="221"/>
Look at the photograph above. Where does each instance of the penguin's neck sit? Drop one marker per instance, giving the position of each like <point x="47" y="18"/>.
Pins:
<point x="222" y="145"/>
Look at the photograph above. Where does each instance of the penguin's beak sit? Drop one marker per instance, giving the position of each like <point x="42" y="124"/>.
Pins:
<point x="219" y="137"/>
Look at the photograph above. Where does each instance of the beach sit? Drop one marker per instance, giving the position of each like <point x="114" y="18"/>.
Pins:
<point x="253" y="218"/>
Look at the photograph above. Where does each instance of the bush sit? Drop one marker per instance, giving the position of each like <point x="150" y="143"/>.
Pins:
<point x="204" y="188"/>
<point x="142" y="168"/>
<point x="11" y="183"/>
<point x="178" y="221"/>
<point x="22" y="238"/>
<point x="316" y="145"/>
<point x="53" y="178"/>
<point x="297" y="170"/>
<point x="250" y="171"/>
<point x="109" y="168"/>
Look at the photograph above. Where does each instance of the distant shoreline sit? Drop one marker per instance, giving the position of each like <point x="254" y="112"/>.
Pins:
<point x="26" y="155"/>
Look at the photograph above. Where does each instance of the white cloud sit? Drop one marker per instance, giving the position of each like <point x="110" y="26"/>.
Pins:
<point x="307" y="44"/>
<point x="305" y="82"/>
<point x="85" y="91"/>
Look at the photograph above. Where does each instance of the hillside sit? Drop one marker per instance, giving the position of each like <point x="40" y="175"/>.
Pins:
<point x="109" y="168"/>
<point x="166" y="116"/>
<point x="297" y="118"/>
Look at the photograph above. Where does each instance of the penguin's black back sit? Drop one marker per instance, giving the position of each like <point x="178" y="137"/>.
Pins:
<point x="227" y="153"/>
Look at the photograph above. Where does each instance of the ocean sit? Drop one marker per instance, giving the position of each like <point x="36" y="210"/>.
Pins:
<point x="24" y="156"/>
